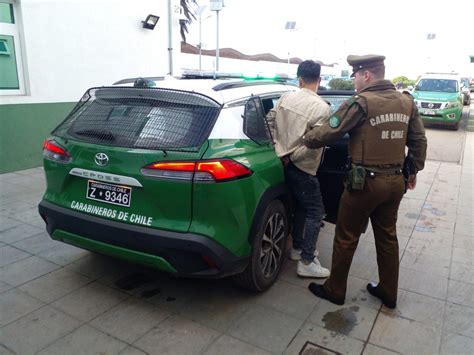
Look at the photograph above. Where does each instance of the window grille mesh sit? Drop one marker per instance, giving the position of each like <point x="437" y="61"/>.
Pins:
<point x="145" y="118"/>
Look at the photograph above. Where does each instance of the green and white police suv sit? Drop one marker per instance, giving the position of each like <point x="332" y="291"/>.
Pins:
<point x="439" y="99"/>
<point x="179" y="175"/>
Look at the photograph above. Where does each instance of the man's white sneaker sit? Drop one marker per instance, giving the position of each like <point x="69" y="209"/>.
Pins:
<point x="295" y="254"/>
<point x="313" y="269"/>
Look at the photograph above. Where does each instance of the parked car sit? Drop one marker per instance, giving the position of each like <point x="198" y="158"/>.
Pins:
<point x="179" y="175"/>
<point x="439" y="99"/>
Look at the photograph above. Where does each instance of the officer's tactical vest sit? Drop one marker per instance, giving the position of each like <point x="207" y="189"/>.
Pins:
<point x="381" y="138"/>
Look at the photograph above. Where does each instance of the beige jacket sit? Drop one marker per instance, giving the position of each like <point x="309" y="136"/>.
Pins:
<point x="296" y="113"/>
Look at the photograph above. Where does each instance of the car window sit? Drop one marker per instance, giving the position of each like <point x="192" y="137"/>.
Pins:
<point x="141" y="118"/>
<point x="268" y="104"/>
<point x="437" y="85"/>
<point x="160" y="128"/>
<point x="335" y="101"/>
<point x="255" y="124"/>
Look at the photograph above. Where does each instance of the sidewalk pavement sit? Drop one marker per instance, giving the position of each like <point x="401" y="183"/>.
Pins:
<point x="57" y="299"/>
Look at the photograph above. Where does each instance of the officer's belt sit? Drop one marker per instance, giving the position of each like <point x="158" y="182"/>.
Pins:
<point x="392" y="170"/>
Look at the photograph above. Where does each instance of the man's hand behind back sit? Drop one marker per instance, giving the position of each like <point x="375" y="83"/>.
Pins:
<point x="285" y="160"/>
<point x="411" y="183"/>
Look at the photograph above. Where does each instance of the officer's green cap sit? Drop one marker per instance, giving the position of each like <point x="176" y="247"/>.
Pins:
<point x="358" y="62"/>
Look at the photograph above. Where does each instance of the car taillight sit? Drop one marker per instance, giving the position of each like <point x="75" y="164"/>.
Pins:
<point x="220" y="170"/>
<point x="54" y="152"/>
<point x="198" y="171"/>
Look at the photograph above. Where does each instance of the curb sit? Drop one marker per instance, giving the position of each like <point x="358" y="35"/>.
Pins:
<point x="470" y="120"/>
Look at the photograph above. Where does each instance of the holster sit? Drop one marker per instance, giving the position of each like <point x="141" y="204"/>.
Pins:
<point x="355" y="178"/>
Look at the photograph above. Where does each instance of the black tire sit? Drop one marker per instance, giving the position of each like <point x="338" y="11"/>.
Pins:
<point x="268" y="250"/>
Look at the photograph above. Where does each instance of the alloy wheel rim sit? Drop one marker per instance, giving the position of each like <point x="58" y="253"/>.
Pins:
<point x="272" y="245"/>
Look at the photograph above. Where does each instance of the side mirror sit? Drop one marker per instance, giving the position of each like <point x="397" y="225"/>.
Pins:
<point x="410" y="88"/>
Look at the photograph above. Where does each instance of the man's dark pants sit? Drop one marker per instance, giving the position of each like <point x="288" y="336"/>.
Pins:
<point x="379" y="201"/>
<point x="309" y="210"/>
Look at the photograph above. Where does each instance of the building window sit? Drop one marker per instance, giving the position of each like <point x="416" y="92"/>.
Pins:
<point x="11" y="66"/>
<point x="4" y="47"/>
<point x="6" y="13"/>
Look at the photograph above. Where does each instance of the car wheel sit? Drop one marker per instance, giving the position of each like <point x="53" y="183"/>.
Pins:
<point x="268" y="249"/>
<point x="455" y="127"/>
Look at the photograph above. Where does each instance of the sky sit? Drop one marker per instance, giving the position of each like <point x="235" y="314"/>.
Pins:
<point x="330" y="30"/>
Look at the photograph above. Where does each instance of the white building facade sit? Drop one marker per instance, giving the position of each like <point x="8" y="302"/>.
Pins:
<point x="52" y="51"/>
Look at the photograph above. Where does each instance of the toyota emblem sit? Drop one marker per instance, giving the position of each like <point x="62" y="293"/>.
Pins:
<point x="101" y="159"/>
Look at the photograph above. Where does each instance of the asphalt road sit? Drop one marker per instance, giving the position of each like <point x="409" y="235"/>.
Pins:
<point x="447" y="145"/>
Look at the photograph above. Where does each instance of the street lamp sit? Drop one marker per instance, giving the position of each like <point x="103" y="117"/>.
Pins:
<point x="199" y="12"/>
<point x="289" y="26"/>
<point x="430" y="37"/>
<point x="217" y="5"/>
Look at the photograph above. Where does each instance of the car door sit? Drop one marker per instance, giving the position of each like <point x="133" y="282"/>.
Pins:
<point x="331" y="173"/>
<point x="335" y="162"/>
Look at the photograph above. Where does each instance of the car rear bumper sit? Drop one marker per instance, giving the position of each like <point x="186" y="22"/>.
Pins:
<point x="183" y="254"/>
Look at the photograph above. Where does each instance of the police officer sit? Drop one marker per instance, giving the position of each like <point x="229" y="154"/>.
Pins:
<point x="380" y="121"/>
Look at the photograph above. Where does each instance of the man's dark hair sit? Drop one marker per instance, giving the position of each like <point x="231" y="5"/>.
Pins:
<point x="309" y="71"/>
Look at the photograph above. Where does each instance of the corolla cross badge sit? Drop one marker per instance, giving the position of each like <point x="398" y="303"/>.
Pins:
<point x="430" y="105"/>
<point x="101" y="159"/>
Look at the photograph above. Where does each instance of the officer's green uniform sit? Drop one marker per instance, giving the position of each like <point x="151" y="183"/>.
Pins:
<point x="380" y="121"/>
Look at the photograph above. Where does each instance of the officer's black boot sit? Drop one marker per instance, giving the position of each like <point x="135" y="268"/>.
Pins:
<point x="374" y="291"/>
<point x="319" y="291"/>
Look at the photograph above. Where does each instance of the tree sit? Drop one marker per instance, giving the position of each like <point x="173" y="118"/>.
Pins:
<point x="188" y="10"/>
<point x="341" y="84"/>
<point x="402" y="82"/>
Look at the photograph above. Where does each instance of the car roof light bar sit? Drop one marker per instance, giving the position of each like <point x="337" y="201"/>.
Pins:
<point x="196" y="74"/>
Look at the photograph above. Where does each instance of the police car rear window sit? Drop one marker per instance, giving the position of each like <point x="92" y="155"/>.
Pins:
<point x="145" y="118"/>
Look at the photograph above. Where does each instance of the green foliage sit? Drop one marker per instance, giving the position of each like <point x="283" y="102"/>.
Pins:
<point x="341" y="84"/>
<point x="402" y="82"/>
<point x="399" y="79"/>
<point x="189" y="12"/>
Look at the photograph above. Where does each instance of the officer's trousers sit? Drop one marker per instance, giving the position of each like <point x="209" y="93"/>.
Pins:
<point x="379" y="202"/>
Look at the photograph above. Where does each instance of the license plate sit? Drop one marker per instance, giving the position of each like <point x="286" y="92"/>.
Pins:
<point x="108" y="193"/>
<point x="430" y="112"/>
